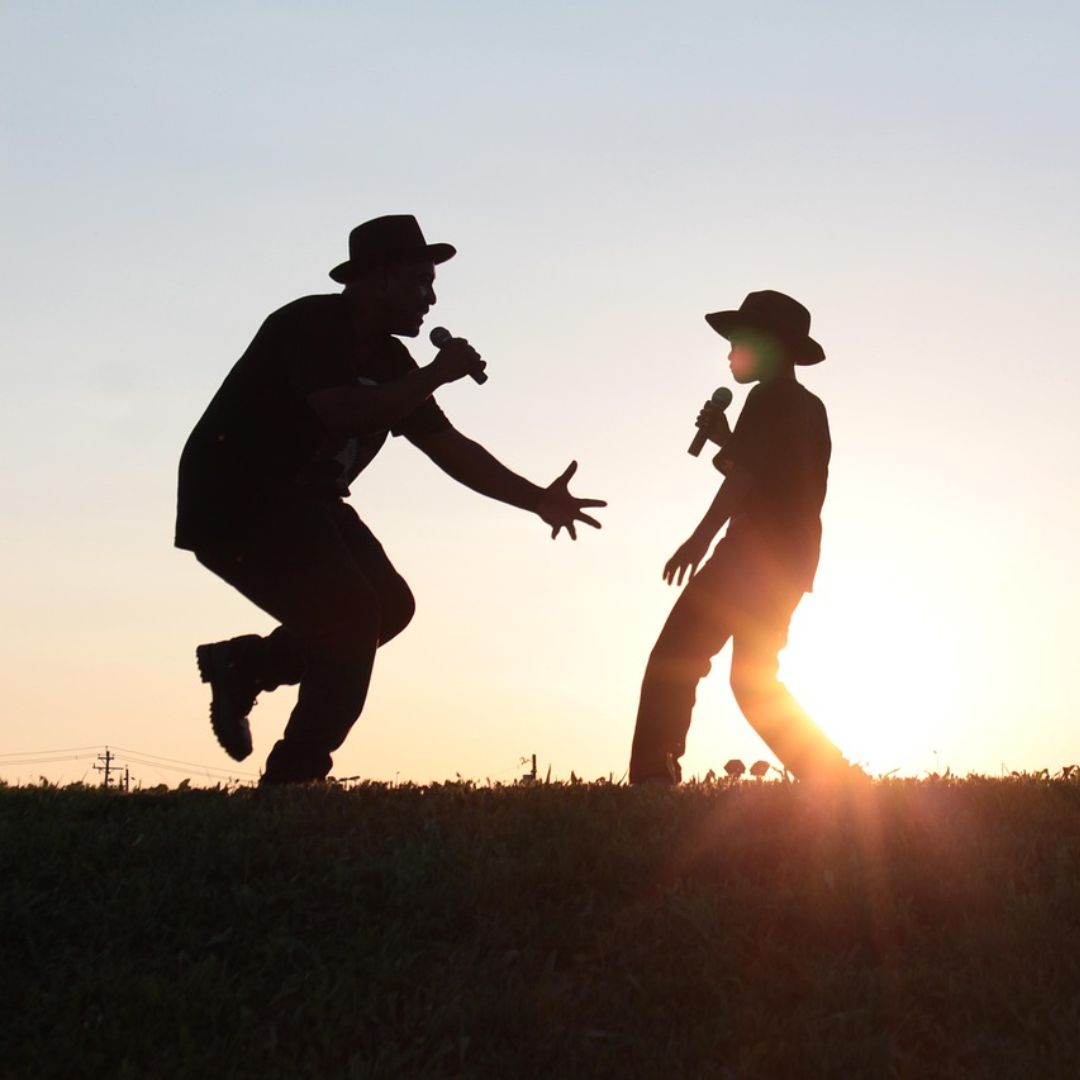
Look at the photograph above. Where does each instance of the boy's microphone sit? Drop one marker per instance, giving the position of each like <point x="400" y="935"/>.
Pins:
<point x="440" y="336"/>
<point x="721" y="399"/>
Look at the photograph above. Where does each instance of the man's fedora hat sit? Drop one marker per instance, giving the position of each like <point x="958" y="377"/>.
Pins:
<point x="384" y="240"/>
<point x="772" y="313"/>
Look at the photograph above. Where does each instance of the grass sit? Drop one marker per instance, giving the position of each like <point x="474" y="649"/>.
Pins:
<point x="921" y="928"/>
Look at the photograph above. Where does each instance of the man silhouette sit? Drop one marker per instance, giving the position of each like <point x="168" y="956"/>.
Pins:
<point x="264" y="473"/>
<point x="776" y="466"/>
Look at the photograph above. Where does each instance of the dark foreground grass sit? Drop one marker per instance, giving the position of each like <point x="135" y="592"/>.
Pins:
<point x="922" y="928"/>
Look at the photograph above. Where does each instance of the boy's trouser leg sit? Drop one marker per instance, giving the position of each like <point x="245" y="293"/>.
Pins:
<point x="730" y="596"/>
<point x="325" y="577"/>
<point x="695" y="631"/>
<point x="771" y="710"/>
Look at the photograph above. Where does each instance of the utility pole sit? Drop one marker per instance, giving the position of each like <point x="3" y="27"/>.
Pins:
<point x="106" y="770"/>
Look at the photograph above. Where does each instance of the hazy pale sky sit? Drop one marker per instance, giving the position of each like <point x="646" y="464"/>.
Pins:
<point x="609" y="172"/>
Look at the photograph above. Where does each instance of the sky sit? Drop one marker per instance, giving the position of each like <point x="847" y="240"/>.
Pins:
<point x="609" y="172"/>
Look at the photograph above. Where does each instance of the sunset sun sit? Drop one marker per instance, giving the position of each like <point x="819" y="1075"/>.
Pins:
<point x="874" y="672"/>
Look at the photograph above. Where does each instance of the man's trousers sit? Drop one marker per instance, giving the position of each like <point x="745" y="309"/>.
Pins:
<point x="316" y="568"/>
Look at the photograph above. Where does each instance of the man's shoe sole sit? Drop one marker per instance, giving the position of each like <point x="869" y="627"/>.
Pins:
<point x="232" y="732"/>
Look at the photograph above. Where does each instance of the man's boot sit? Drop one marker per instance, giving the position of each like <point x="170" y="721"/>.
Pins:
<point x="296" y="761"/>
<point x="230" y="667"/>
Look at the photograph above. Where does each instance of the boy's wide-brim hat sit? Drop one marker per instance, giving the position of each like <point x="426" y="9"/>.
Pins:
<point x="779" y="316"/>
<point x="385" y="240"/>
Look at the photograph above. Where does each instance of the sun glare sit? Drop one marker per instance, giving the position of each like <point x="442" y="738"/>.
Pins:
<point x="868" y="667"/>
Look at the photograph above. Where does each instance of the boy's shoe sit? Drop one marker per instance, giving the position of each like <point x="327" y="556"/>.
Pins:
<point x="664" y="781"/>
<point x="671" y="777"/>
<point x="227" y="667"/>
<point x="841" y="777"/>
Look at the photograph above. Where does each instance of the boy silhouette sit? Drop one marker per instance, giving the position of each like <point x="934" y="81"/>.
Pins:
<point x="775" y="465"/>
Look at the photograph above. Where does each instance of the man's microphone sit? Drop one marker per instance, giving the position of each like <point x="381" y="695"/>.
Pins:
<point x="440" y="336"/>
<point x="721" y="399"/>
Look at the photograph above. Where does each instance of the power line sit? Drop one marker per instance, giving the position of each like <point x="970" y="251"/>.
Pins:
<point x="191" y="769"/>
<point x="145" y="759"/>
<point x="51" y="756"/>
<point x="43" y="753"/>
<point x="177" y="761"/>
<point x="211" y="774"/>
<point x="43" y="761"/>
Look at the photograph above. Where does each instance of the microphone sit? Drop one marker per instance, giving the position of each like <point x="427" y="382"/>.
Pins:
<point x="440" y="336"/>
<point x="722" y="399"/>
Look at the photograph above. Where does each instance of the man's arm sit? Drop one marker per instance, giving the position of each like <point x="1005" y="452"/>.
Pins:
<point x="731" y="496"/>
<point x="472" y="465"/>
<point x="361" y="410"/>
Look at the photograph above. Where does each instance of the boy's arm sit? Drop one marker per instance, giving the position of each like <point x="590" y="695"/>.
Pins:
<point x="731" y="496"/>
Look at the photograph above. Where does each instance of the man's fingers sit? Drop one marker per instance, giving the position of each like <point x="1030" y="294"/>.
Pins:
<point x="571" y="530"/>
<point x="567" y="473"/>
<point x="591" y="502"/>
<point x="589" y="520"/>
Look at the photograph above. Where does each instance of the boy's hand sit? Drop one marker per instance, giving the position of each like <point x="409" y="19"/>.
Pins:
<point x="714" y="422"/>
<point x="687" y="558"/>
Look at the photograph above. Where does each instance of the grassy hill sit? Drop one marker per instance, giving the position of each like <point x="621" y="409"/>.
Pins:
<point x="917" y="929"/>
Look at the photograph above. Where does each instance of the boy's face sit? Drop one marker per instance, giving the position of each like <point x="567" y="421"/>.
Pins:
<point x="753" y="356"/>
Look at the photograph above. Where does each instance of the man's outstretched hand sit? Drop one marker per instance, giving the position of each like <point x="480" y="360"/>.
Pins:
<point x="561" y="510"/>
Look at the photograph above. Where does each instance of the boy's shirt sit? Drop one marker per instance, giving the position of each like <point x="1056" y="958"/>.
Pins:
<point x="782" y="438"/>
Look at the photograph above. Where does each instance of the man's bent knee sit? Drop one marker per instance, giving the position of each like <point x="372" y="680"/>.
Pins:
<point x="397" y="612"/>
<point x="352" y="636"/>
